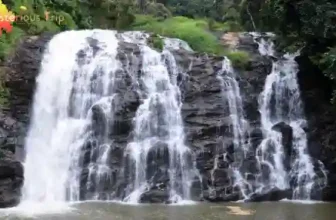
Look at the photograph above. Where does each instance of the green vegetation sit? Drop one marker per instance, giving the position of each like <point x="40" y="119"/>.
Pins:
<point x="239" y="59"/>
<point x="8" y="41"/>
<point x="64" y="15"/>
<point x="218" y="10"/>
<point x="189" y="30"/>
<point x="156" y="42"/>
<point x="194" y="20"/>
<point x="306" y="24"/>
<point x="328" y="63"/>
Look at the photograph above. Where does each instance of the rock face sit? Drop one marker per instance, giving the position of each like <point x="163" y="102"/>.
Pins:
<point x="316" y="92"/>
<point x="11" y="180"/>
<point x="21" y="71"/>
<point x="206" y="123"/>
<point x="11" y="170"/>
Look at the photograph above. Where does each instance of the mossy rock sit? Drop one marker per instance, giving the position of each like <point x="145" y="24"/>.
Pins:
<point x="240" y="59"/>
<point x="156" y="42"/>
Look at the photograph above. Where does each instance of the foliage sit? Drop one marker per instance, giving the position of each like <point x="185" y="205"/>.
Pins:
<point x="156" y="42"/>
<point x="185" y="29"/>
<point x="152" y="15"/>
<point x="8" y="41"/>
<point x="156" y="9"/>
<point x="240" y="59"/>
<point x="303" y="24"/>
<point x="219" y="10"/>
<point x="328" y="63"/>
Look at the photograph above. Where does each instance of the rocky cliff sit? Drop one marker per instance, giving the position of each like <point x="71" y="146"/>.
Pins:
<point x="207" y="124"/>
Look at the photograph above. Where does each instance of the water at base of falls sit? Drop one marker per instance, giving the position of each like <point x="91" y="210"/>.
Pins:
<point x="70" y="139"/>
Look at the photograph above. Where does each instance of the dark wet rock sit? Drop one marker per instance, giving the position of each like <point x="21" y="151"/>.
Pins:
<point x="221" y="194"/>
<point x="21" y="71"/>
<point x="272" y="195"/>
<point x="11" y="179"/>
<point x="11" y="170"/>
<point x="287" y="136"/>
<point x="316" y="92"/>
<point x="155" y="196"/>
<point x="247" y="43"/>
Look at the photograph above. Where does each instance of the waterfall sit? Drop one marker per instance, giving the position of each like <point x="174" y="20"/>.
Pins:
<point x="239" y="125"/>
<point x="280" y="101"/>
<point x="74" y="81"/>
<point x="175" y="44"/>
<point x="107" y="125"/>
<point x="159" y="127"/>
<point x="70" y="140"/>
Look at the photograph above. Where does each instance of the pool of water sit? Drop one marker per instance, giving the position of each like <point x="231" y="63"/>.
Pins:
<point x="202" y="211"/>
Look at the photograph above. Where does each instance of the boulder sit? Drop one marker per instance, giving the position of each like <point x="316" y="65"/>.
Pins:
<point x="272" y="195"/>
<point x="11" y="179"/>
<point x="287" y="136"/>
<point x="155" y="196"/>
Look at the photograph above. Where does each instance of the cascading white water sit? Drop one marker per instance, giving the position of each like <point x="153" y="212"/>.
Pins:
<point x="74" y="108"/>
<point x="270" y="152"/>
<point x="176" y="44"/>
<point x="77" y="83"/>
<point x="280" y="101"/>
<point x="240" y="126"/>
<point x="68" y="86"/>
<point x="158" y="122"/>
<point x="231" y="93"/>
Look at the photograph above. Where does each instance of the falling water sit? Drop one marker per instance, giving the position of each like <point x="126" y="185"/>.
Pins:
<point x="74" y="80"/>
<point x="176" y="44"/>
<point x="75" y="106"/>
<point x="159" y="127"/>
<point x="280" y="101"/>
<point x="69" y="140"/>
<point x="240" y="126"/>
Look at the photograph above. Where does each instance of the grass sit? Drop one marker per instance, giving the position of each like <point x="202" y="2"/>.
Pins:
<point x="196" y="32"/>
<point x="156" y="42"/>
<point x="240" y="59"/>
<point x="193" y="31"/>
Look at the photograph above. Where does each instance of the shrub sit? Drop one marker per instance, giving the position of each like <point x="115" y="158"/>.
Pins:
<point x="202" y="23"/>
<point x="142" y="20"/>
<point x="239" y="59"/>
<point x="217" y="26"/>
<point x="65" y="21"/>
<point x="42" y="26"/>
<point x="328" y="63"/>
<point x="8" y="41"/>
<point x="157" y="42"/>
<point x="185" y="29"/>
<point x="157" y="10"/>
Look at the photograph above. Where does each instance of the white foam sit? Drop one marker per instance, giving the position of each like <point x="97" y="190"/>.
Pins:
<point x="29" y="209"/>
